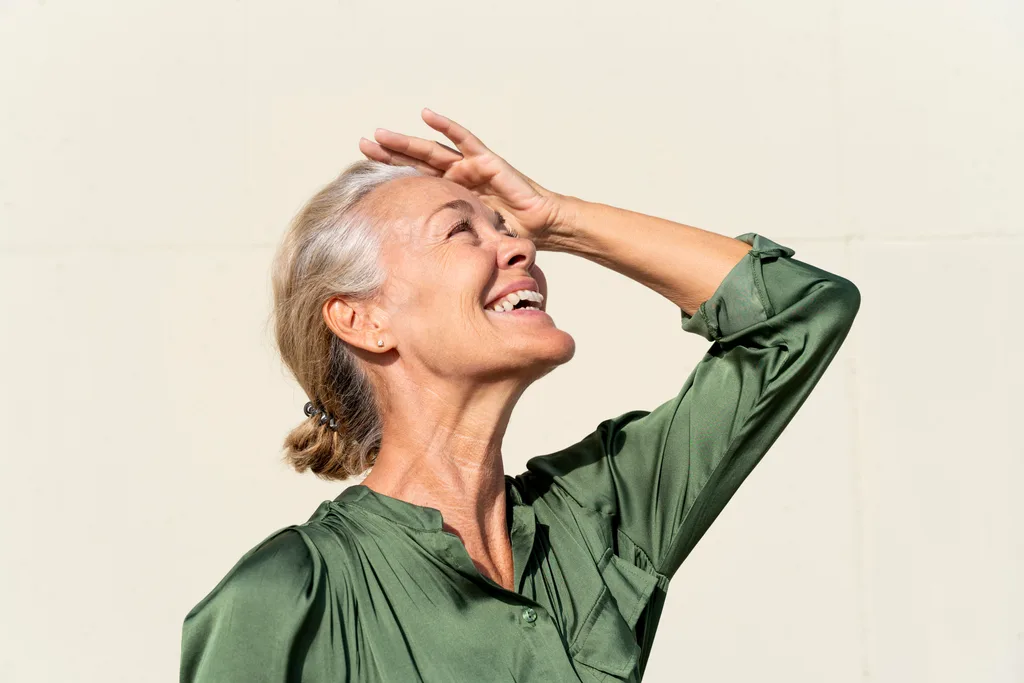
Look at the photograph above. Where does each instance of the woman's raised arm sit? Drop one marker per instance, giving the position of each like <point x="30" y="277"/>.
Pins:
<point x="681" y="262"/>
<point x="664" y="475"/>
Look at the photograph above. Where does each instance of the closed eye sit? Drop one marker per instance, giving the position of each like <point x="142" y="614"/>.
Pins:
<point x="465" y="224"/>
<point x="503" y="224"/>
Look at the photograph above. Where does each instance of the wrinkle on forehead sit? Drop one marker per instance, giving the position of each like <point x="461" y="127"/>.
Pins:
<point x="402" y="205"/>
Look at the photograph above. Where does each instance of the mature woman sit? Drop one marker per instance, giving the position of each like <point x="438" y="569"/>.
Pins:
<point x="411" y="309"/>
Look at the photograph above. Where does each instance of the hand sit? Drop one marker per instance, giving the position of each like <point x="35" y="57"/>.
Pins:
<point x="536" y="210"/>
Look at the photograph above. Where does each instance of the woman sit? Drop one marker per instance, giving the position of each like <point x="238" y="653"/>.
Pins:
<point x="410" y="307"/>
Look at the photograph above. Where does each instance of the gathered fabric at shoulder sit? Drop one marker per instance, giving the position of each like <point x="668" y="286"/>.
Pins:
<point x="257" y="621"/>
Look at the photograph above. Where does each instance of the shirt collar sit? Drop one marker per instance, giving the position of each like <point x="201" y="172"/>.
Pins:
<point x="519" y="518"/>
<point x="410" y="514"/>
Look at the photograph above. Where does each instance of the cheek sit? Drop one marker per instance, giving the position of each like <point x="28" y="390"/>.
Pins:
<point x="442" y="303"/>
<point x="438" y="314"/>
<point x="467" y="274"/>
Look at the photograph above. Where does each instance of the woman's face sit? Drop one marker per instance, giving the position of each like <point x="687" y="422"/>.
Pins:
<point x="447" y="255"/>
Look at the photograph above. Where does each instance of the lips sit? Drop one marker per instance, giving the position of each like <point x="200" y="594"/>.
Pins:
<point x="514" y="286"/>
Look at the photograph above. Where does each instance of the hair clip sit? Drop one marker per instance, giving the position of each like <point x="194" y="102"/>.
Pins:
<point x="312" y="411"/>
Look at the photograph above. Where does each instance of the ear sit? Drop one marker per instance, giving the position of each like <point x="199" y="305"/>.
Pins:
<point x="356" y="323"/>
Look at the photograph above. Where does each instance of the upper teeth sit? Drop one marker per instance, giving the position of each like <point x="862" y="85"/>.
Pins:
<point x="507" y="302"/>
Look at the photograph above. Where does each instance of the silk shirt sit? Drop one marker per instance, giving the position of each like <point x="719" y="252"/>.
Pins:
<point x="371" y="588"/>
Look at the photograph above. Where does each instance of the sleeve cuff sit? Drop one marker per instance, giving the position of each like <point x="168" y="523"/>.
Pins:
<point x="741" y="300"/>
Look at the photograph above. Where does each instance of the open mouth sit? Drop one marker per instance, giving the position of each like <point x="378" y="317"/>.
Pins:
<point x="524" y="299"/>
<point x="514" y="311"/>
<point x="522" y="312"/>
<point x="521" y="306"/>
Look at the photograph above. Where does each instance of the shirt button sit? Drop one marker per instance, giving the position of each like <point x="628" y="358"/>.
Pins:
<point x="529" y="615"/>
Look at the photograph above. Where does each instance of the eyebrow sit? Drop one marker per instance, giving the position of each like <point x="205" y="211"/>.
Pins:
<point x="457" y="204"/>
<point x="464" y="206"/>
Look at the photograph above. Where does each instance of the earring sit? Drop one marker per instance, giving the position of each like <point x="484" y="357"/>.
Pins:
<point x="380" y="342"/>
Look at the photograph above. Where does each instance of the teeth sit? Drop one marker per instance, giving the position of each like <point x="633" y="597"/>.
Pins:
<point x="509" y="301"/>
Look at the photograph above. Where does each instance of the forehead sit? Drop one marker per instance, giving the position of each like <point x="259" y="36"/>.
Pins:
<point x="406" y="204"/>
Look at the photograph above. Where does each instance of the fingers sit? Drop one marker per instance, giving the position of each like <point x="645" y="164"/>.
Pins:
<point x="429" y="156"/>
<point x="433" y="153"/>
<point x="463" y="139"/>
<point x="376" y="152"/>
<point x="449" y="148"/>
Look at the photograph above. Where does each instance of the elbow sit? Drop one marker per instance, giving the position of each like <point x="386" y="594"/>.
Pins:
<point x="840" y="300"/>
<point x="848" y="296"/>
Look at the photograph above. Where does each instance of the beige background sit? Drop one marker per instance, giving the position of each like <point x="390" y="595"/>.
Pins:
<point x="152" y="153"/>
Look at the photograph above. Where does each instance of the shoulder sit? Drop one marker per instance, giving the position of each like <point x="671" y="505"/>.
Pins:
<point x="285" y="556"/>
<point x="582" y="473"/>
<point x="279" y="572"/>
<point x="275" y="595"/>
<point x="559" y="496"/>
<point x="289" y="555"/>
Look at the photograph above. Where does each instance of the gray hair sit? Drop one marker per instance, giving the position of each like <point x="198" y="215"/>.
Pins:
<point x="331" y="248"/>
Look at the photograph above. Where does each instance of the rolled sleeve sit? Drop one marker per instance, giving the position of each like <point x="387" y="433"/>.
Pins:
<point x="741" y="300"/>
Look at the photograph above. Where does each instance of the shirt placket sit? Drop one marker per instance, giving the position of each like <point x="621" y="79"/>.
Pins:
<point x="538" y="627"/>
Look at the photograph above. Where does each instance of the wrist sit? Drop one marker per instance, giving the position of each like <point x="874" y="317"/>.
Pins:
<point x="562" y="226"/>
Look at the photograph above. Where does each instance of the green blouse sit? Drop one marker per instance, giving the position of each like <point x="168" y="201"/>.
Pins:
<point x="372" y="589"/>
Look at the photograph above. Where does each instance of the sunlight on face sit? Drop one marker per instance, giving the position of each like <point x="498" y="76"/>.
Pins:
<point x="447" y="254"/>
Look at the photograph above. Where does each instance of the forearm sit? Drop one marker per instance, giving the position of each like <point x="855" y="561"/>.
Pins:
<point x="681" y="262"/>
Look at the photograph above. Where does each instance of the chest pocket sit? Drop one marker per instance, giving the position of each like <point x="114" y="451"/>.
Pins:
<point x="606" y="641"/>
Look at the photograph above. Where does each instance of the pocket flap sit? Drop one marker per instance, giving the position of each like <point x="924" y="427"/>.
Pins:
<point x="607" y="641"/>
<point x="630" y="586"/>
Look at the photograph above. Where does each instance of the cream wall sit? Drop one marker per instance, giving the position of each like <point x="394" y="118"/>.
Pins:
<point x="151" y="154"/>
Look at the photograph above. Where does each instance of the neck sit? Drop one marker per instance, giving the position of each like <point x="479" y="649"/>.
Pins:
<point x="442" y="449"/>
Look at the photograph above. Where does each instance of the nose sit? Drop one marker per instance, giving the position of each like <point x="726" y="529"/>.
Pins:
<point x="516" y="251"/>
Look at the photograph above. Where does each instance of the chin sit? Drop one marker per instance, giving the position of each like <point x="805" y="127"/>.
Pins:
<point x="560" y="349"/>
<point x="569" y="348"/>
